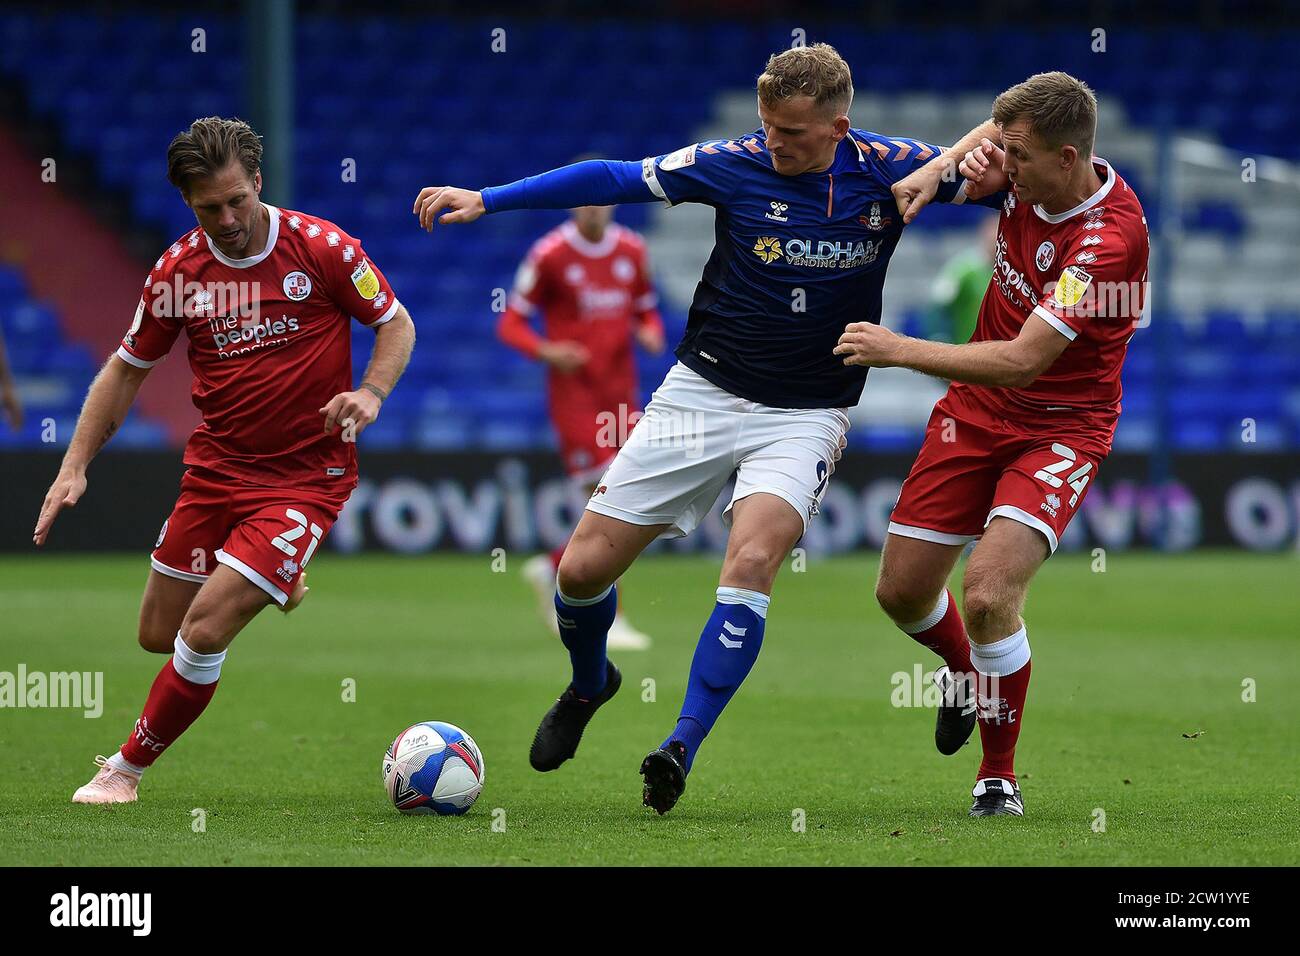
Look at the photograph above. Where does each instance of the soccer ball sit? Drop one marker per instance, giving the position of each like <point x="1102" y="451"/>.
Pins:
<point x="433" y="767"/>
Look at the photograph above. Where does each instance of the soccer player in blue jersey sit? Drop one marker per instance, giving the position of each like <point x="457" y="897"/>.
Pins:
<point x="806" y="223"/>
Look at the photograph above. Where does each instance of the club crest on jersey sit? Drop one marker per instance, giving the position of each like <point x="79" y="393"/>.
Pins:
<point x="873" y="220"/>
<point x="297" y="286"/>
<point x="365" y="280"/>
<point x="767" y="248"/>
<point x="778" y="212"/>
<point x="1045" y="255"/>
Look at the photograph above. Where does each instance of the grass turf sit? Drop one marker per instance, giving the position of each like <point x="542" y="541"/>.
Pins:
<point x="1126" y="663"/>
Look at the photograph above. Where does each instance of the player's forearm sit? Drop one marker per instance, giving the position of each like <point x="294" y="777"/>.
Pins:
<point x="948" y="160"/>
<point x="976" y="363"/>
<point x="107" y="403"/>
<point x="592" y="183"/>
<point x="514" y="331"/>
<point x="394" y="341"/>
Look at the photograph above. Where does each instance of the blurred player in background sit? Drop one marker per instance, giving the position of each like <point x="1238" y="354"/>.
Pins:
<point x="590" y="280"/>
<point x="959" y="289"/>
<point x="265" y="297"/>
<point x="805" y="227"/>
<point x="1013" y="446"/>
<point x="9" y="401"/>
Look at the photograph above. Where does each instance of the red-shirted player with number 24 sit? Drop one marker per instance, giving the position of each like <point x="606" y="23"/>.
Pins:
<point x="1012" y="448"/>
<point x="266" y="297"/>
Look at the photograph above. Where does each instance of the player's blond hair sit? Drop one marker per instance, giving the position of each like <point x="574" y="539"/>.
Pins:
<point x="209" y="146"/>
<point x="817" y="71"/>
<point x="1060" y="110"/>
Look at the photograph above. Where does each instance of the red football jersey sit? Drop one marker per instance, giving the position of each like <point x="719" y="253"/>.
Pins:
<point x="269" y="345"/>
<point x="1083" y="272"/>
<point x="593" y="293"/>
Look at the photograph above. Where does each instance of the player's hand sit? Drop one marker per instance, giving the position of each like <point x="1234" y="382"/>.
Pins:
<point x="865" y="343"/>
<point x="650" y="338"/>
<point x="13" y="408"/>
<point x="564" y="357"/>
<point x="982" y="168"/>
<point x="351" y="411"/>
<point x="915" y="191"/>
<point x="69" y="485"/>
<point x="466" y="205"/>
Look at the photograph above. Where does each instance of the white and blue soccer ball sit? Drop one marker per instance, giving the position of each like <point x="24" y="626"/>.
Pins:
<point x="433" y="767"/>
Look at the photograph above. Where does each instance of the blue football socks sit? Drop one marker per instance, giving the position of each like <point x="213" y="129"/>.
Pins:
<point x="728" y="647"/>
<point x="584" y="627"/>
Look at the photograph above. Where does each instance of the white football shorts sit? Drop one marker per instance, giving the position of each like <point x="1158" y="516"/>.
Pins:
<point x="694" y="436"/>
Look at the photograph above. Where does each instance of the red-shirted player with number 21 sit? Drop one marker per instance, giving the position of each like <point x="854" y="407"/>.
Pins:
<point x="1012" y="447"/>
<point x="266" y="297"/>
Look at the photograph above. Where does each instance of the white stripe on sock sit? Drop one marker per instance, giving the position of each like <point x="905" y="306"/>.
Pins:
<point x="756" y="601"/>
<point x="195" y="667"/>
<point x="583" y="602"/>
<point x="1001" y="658"/>
<point x="931" y="619"/>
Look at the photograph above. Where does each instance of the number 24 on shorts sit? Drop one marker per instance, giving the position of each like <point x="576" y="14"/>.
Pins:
<point x="1078" y="479"/>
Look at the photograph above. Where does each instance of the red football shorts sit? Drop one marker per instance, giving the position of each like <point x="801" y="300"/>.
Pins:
<point x="266" y="534"/>
<point x="590" y="437"/>
<point x="976" y="465"/>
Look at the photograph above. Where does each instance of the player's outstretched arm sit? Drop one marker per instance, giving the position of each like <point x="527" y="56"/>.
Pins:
<point x="1013" y="363"/>
<point x="915" y="191"/>
<point x="594" y="182"/>
<point x="107" y="403"/>
<point x="394" y="341"/>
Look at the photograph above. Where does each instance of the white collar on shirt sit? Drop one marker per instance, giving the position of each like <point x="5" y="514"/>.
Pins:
<point x="1088" y="203"/>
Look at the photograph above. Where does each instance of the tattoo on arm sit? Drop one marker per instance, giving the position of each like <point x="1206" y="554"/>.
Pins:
<point x="108" y="433"/>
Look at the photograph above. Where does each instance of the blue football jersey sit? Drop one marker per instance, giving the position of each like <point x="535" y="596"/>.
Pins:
<point x="795" y="260"/>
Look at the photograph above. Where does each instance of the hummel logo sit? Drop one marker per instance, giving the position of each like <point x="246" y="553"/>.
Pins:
<point x="778" y="211"/>
<point x="732" y="629"/>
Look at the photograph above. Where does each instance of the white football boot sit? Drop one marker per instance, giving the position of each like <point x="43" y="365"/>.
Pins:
<point x="540" y="575"/>
<point x="109" y="785"/>
<point x="624" y="637"/>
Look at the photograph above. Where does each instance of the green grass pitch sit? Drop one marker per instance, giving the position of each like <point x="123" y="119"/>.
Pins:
<point x="1126" y="664"/>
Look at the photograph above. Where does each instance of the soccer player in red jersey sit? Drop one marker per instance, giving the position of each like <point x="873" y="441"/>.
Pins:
<point x="590" y="279"/>
<point x="265" y="297"/>
<point x="1013" y="446"/>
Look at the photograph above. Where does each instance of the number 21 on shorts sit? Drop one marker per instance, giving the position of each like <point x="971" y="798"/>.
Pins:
<point x="1078" y="479"/>
<point x="299" y="528"/>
